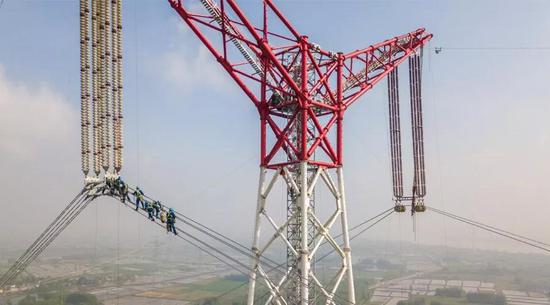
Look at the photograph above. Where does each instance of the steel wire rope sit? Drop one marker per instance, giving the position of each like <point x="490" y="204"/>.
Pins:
<point x="205" y="244"/>
<point x="39" y="240"/>
<point x="386" y="214"/>
<point x="362" y="223"/>
<point x="50" y="237"/>
<point x="143" y="213"/>
<point x="240" y="263"/>
<point x="503" y="233"/>
<point x="90" y="268"/>
<point x="246" y="249"/>
<point x="390" y="210"/>
<point x="353" y="228"/>
<point x="336" y="296"/>
<point x="50" y="226"/>
<point x="495" y="228"/>
<point x="360" y="232"/>
<point x="247" y="252"/>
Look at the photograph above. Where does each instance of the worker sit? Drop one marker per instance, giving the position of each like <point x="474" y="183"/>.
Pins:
<point x="138" y="194"/>
<point x="157" y="207"/>
<point x="122" y="189"/>
<point x="150" y="210"/>
<point x="171" y="222"/>
<point x="108" y="186"/>
<point x="124" y="193"/>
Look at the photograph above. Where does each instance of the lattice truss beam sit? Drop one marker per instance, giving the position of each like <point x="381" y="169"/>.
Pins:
<point x="293" y="82"/>
<point x="304" y="253"/>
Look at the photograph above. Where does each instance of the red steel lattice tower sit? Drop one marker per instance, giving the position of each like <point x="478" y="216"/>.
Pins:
<point x="301" y="92"/>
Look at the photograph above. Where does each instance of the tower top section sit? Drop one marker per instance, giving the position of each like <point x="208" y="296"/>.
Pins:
<point x="301" y="91"/>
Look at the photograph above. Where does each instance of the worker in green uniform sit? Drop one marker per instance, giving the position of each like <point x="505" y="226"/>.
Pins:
<point x="157" y="207"/>
<point x="150" y="210"/>
<point x="122" y="189"/>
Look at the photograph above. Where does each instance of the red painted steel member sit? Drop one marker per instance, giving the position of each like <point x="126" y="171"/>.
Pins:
<point x="272" y="83"/>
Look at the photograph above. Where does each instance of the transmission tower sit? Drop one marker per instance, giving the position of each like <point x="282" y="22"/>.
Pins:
<point x="301" y="92"/>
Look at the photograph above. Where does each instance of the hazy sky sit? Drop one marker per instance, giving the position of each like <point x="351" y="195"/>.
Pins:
<point x="192" y="138"/>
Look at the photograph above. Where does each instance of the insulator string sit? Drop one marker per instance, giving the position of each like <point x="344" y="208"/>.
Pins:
<point x="84" y="86"/>
<point x="395" y="135"/>
<point x="101" y="97"/>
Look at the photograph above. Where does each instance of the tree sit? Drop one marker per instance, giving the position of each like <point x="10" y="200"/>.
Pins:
<point x="81" y="299"/>
<point x="452" y="292"/>
<point x="413" y="301"/>
<point x="486" y="298"/>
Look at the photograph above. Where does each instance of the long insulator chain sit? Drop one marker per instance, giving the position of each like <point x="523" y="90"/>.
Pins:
<point x="84" y="86"/>
<point x="101" y="97"/>
<point x="395" y="135"/>
<point x="117" y="75"/>
<point x="415" y="70"/>
<point x="95" y="87"/>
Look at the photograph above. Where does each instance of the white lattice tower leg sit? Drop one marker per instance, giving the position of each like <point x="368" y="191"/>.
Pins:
<point x="345" y="234"/>
<point x="256" y="238"/>
<point x="281" y="286"/>
<point x="304" y="250"/>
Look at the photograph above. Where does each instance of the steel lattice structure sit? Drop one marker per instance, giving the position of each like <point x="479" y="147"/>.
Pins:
<point x="301" y="92"/>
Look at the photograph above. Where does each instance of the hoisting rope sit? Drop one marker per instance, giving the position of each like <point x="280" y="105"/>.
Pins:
<point x="104" y="108"/>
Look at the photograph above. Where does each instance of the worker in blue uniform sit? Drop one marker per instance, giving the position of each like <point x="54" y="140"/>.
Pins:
<point x="171" y="222"/>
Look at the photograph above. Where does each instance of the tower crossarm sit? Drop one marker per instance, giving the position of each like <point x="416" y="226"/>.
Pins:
<point x="362" y="69"/>
<point x="252" y="55"/>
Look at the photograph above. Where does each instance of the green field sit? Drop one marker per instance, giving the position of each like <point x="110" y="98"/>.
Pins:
<point x="211" y="291"/>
